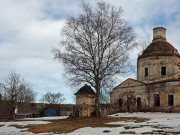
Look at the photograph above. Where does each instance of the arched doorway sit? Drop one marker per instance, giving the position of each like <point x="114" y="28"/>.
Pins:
<point x="138" y="104"/>
<point x="120" y="104"/>
<point x="128" y="104"/>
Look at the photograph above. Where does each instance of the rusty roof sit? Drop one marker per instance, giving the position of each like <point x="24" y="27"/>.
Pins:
<point x="159" y="48"/>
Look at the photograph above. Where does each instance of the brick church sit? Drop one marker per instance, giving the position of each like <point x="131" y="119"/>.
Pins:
<point x="157" y="87"/>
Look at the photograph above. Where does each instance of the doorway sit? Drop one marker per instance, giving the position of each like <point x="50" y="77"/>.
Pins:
<point x="138" y="104"/>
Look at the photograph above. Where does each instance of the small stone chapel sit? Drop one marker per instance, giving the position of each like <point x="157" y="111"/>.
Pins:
<point x="85" y="102"/>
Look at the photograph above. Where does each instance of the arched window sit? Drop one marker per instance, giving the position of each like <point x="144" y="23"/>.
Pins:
<point x="170" y="100"/>
<point x="163" y="70"/>
<point x="120" y="102"/>
<point x="156" y="100"/>
<point x="145" y="72"/>
<point x="138" y="104"/>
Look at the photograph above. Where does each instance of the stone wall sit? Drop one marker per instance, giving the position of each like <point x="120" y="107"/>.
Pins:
<point x="88" y="99"/>
<point x="129" y="97"/>
<point x="154" y="64"/>
<point x="165" y="89"/>
<point x="146" y="94"/>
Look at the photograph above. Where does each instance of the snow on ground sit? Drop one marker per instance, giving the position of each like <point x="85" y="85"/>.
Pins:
<point x="47" y="118"/>
<point x="96" y="131"/>
<point x="165" y="119"/>
<point x="158" y="123"/>
<point x="7" y="129"/>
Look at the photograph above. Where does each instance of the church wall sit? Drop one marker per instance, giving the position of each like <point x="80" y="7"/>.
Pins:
<point x="165" y="89"/>
<point x="129" y="97"/>
<point x="146" y="94"/>
<point x="154" y="65"/>
<point x="177" y="68"/>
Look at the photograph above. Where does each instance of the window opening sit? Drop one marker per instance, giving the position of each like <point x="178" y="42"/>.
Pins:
<point x="138" y="104"/>
<point x="170" y="100"/>
<point x="163" y="70"/>
<point x="146" y="71"/>
<point x="156" y="100"/>
<point x="120" y="102"/>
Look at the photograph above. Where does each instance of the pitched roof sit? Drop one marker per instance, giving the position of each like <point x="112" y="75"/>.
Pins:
<point x="129" y="83"/>
<point x="159" y="48"/>
<point x="86" y="89"/>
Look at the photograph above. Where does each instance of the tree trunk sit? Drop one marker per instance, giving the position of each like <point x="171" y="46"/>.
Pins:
<point x="97" y="112"/>
<point x="97" y="100"/>
<point x="12" y="114"/>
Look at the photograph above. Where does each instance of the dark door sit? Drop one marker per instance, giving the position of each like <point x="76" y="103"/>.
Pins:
<point x="138" y="104"/>
<point x="128" y="103"/>
<point x="120" y="104"/>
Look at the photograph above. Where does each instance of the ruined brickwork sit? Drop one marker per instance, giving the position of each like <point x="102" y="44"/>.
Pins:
<point x="126" y="94"/>
<point x="157" y="87"/>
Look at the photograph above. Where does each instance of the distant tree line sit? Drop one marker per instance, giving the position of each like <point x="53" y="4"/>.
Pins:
<point x="52" y="98"/>
<point x="15" y="91"/>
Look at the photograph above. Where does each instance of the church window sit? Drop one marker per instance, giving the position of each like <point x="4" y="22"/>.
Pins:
<point x="120" y="102"/>
<point x="170" y="100"/>
<point x="156" y="100"/>
<point x="138" y="104"/>
<point x="163" y="70"/>
<point x="146" y="71"/>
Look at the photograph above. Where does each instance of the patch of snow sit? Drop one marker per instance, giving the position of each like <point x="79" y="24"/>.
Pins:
<point x="7" y="129"/>
<point x="148" y="115"/>
<point x="158" y="122"/>
<point x="47" y="118"/>
<point x="170" y="122"/>
<point x="96" y="131"/>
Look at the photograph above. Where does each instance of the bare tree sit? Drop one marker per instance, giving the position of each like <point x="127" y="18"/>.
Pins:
<point x="53" y="98"/>
<point x="15" y="91"/>
<point x="95" y="46"/>
<point x="144" y="44"/>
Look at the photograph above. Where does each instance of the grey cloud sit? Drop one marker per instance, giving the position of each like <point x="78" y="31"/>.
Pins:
<point x="30" y="29"/>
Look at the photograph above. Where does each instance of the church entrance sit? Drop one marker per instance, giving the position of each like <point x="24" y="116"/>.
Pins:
<point x="128" y="104"/>
<point x="138" y="104"/>
<point x="120" y="104"/>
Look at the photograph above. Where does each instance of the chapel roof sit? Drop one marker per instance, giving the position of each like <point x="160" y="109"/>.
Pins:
<point x="86" y="89"/>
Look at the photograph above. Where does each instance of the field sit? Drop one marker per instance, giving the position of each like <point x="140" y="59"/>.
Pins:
<point x="122" y="123"/>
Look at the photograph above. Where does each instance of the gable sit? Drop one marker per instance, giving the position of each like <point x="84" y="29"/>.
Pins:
<point x="130" y="83"/>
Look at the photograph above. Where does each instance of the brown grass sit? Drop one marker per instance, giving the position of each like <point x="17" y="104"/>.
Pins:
<point x="17" y="126"/>
<point x="71" y="124"/>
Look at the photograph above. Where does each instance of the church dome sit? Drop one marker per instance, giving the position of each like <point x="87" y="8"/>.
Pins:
<point x="159" y="48"/>
<point x="159" y="45"/>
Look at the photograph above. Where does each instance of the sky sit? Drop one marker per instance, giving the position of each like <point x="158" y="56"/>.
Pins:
<point x="30" y="29"/>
